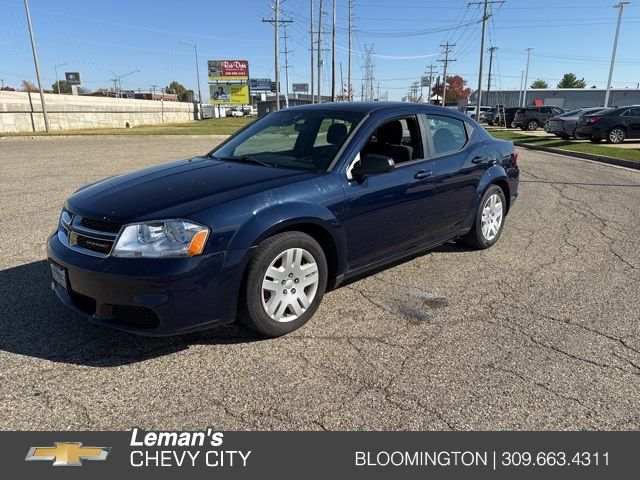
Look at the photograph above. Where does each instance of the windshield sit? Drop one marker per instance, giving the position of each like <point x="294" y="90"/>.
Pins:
<point x="302" y="139"/>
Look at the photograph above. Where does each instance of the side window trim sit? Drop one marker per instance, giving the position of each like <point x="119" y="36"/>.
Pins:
<point x="429" y="135"/>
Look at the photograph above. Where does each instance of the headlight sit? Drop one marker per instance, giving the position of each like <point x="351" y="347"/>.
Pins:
<point x="163" y="239"/>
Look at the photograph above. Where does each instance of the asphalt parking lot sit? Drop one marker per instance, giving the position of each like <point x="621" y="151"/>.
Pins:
<point x="539" y="332"/>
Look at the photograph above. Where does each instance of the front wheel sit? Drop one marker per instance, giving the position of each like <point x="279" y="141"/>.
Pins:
<point x="286" y="280"/>
<point x="489" y="220"/>
<point x="533" y="125"/>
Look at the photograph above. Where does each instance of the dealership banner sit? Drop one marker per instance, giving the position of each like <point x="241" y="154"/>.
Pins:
<point x="369" y="455"/>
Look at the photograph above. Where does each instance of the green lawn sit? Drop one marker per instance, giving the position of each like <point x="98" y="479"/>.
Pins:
<point x="568" y="145"/>
<point x="210" y="126"/>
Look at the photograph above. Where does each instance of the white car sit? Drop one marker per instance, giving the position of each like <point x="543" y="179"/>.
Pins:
<point x="471" y="111"/>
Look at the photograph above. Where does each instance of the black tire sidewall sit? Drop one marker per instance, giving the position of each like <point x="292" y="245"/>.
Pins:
<point x="265" y="253"/>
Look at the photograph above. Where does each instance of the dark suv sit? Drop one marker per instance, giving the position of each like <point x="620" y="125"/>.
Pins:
<point x="532" y="118"/>
<point x="612" y="125"/>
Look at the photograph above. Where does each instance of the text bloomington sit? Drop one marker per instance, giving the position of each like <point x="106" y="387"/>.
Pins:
<point x="422" y="459"/>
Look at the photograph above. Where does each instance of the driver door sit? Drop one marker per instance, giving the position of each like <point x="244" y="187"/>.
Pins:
<point x="387" y="213"/>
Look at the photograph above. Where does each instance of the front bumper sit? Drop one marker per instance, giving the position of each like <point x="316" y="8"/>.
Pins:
<point x="150" y="296"/>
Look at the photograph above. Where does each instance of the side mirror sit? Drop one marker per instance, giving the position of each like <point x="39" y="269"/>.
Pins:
<point x="373" y="164"/>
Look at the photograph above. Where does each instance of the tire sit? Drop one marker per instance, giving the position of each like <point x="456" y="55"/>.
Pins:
<point x="479" y="237"/>
<point x="564" y="137"/>
<point x="532" y="125"/>
<point x="291" y="310"/>
<point x="595" y="140"/>
<point x="616" y="135"/>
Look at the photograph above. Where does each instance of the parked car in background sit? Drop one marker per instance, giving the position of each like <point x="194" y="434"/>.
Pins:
<point x="490" y="115"/>
<point x="509" y="113"/>
<point x="613" y="125"/>
<point x="471" y="111"/>
<point x="564" y="125"/>
<point x="257" y="229"/>
<point x="532" y="118"/>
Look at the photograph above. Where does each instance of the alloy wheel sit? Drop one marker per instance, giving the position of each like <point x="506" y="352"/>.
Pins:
<point x="616" y="135"/>
<point x="492" y="217"/>
<point x="290" y="284"/>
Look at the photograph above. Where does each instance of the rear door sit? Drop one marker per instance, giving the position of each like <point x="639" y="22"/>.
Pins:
<point x="459" y="165"/>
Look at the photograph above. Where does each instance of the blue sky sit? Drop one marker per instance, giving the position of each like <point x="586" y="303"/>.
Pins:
<point x="96" y="38"/>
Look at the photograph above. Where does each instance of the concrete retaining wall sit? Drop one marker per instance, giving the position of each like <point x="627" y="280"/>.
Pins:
<point x="22" y="112"/>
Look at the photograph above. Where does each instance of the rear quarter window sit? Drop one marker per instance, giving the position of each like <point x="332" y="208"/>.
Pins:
<point x="449" y="135"/>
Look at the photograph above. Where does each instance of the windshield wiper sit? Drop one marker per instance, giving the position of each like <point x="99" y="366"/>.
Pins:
<point x="249" y="158"/>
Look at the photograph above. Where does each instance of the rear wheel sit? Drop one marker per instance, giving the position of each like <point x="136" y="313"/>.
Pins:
<point x="532" y="125"/>
<point x="616" y="135"/>
<point x="286" y="280"/>
<point x="489" y="219"/>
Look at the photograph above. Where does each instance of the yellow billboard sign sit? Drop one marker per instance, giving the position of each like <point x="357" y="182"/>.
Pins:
<point x="228" y="93"/>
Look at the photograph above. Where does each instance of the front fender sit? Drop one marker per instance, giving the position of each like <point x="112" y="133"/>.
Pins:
<point x="287" y="216"/>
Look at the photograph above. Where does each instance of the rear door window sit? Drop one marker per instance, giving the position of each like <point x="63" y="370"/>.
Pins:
<point x="448" y="134"/>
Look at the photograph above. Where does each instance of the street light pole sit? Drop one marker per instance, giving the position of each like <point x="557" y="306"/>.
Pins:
<point x="526" y="79"/>
<point x="37" y="65"/>
<point x="195" y="48"/>
<point x="615" y="48"/>
<point x="58" y="81"/>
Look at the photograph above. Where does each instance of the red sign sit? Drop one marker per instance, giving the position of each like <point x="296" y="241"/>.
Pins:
<point x="235" y="68"/>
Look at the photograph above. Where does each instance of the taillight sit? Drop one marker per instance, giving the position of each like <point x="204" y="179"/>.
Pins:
<point x="514" y="158"/>
<point x="593" y="119"/>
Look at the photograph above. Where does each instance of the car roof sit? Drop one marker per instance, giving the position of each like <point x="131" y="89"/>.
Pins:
<point x="369" y="107"/>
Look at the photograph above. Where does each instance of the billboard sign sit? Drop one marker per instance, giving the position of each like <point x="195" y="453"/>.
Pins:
<point x="300" y="87"/>
<point x="229" y="93"/>
<point x="72" y="78"/>
<point x="260" y="84"/>
<point x="220" y="70"/>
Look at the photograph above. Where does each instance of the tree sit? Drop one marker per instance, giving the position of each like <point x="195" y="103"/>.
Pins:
<point x="456" y="88"/>
<point x="27" y="86"/>
<point x="571" y="81"/>
<point x="181" y="91"/>
<point x="64" y="87"/>
<point x="7" y="88"/>
<point x="539" y="84"/>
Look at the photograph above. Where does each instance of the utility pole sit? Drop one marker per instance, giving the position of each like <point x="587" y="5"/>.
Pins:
<point x="526" y="79"/>
<point x="430" y="82"/>
<point x="320" y="53"/>
<point x="195" y="48"/>
<point x="152" y="88"/>
<point x="485" y="16"/>
<point x="491" y="51"/>
<point x="349" y="88"/>
<point x="276" y="24"/>
<point x="448" y="47"/>
<point x="313" y="99"/>
<point x="333" y="54"/>
<point x="521" y="88"/>
<point x="37" y="65"/>
<point x="286" y="65"/>
<point x="341" y="83"/>
<point x="55" y="67"/>
<point x="615" y="48"/>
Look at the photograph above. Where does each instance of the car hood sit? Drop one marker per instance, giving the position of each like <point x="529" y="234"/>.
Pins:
<point x="176" y="189"/>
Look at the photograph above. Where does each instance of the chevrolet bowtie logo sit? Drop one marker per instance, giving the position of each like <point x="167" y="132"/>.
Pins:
<point x="67" y="453"/>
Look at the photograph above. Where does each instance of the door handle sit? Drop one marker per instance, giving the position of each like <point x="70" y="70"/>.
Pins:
<point x="423" y="174"/>
<point x="478" y="159"/>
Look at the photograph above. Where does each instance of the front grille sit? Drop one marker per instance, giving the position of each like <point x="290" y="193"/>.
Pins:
<point x="93" y="244"/>
<point x="135" y="316"/>
<point x="101" y="225"/>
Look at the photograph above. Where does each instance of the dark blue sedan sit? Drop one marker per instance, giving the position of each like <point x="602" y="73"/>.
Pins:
<point x="293" y="204"/>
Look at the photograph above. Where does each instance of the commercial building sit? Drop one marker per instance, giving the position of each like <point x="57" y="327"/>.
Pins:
<point x="567" y="98"/>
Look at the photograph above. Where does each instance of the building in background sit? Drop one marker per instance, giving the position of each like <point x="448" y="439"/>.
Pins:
<point x="567" y="98"/>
